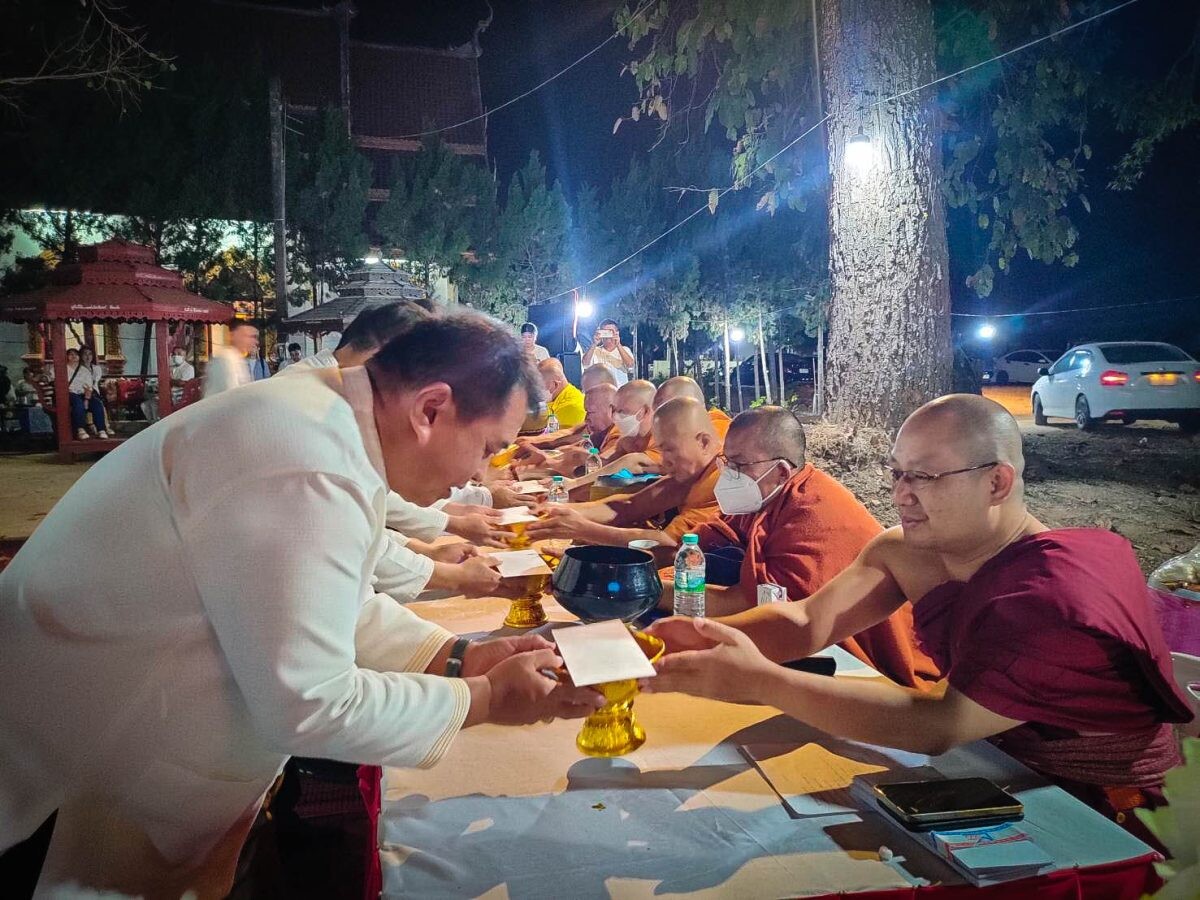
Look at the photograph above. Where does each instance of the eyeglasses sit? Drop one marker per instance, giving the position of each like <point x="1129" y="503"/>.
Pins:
<point x="738" y="468"/>
<point x="917" y="478"/>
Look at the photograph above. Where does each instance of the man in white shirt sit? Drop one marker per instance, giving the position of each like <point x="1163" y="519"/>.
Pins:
<point x="231" y="621"/>
<point x="237" y="364"/>
<point x="181" y="371"/>
<point x="294" y="355"/>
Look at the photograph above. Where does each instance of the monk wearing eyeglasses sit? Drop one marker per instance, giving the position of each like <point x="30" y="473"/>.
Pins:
<point x="1047" y="637"/>
<point x="785" y="522"/>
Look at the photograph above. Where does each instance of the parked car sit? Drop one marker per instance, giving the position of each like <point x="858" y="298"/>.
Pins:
<point x="1018" y="367"/>
<point x="796" y="369"/>
<point x="1121" y="382"/>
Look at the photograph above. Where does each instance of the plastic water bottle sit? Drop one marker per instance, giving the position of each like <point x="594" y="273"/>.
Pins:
<point x="593" y="463"/>
<point x="587" y="444"/>
<point x="558" y="491"/>
<point x="551" y="423"/>
<point x="689" y="578"/>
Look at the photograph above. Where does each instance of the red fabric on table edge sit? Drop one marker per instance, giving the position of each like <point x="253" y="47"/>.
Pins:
<point x="370" y="780"/>
<point x="1129" y="879"/>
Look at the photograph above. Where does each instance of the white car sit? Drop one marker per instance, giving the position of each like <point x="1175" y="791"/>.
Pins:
<point x="1123" y="382"/>
<point x="1018" y="367"/>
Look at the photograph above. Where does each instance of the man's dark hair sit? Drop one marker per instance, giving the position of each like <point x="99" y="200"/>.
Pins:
<point x="529" y="328"/>
<point x="372" y="328"/>
<point x="475" y="354"/>
<point x="613" y="323"/>
<point x="235" y="324"/>
<point x="778" y="433"/>
<point x="292" y="347"/>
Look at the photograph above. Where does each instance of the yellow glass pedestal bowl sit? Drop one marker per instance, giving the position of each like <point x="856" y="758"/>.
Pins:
<point x="613" y="730"/>
<point x="525" y="610"/>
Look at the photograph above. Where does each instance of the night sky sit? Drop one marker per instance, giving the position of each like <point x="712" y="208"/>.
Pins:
<point x="1134" y="246"/>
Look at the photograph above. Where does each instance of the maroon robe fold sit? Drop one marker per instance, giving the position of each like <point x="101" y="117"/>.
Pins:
<point x="1058" y="631"/>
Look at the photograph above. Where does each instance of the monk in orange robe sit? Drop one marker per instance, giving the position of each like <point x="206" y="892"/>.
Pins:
<point x="788" y="523"/>
<point x="684" y="386"/>
<point x="662" y="512"/>
<point x="1047" y="637"/>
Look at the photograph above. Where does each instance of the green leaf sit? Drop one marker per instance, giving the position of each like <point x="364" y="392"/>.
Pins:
<point x="1086" y="203"/>
<point x="714" y="197"/>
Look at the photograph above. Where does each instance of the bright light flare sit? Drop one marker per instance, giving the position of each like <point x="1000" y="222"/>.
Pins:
<point x="584" y="309"/>
<point x="987" y="331"/>
<point x="371" y="260"/>
<point x="860" y="155"/>
<point x="737" y="334"/>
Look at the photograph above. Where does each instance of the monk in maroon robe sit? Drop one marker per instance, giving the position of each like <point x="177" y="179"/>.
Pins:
<point x="1047" y="638"/>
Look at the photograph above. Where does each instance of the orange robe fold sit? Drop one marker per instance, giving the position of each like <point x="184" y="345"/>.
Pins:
<point x="679" y="506"/>
<point x="804" y="537"/>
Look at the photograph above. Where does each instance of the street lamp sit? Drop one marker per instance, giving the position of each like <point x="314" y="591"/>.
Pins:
<point x="584" y="308"/>
<point x="859" y="153"/>
<point x="737" y="334"/>
<point x="987" y="331"/>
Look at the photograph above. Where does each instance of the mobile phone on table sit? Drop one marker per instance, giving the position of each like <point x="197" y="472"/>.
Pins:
<point x="948" y="803"/>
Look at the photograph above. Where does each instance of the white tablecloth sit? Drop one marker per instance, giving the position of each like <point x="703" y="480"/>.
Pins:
<point x="521" y="813"/>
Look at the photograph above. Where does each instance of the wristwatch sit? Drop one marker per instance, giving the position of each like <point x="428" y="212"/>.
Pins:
<point x="455" y="663"/>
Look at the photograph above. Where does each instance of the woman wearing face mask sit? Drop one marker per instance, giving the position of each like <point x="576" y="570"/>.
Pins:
<point x="785" y="522"/>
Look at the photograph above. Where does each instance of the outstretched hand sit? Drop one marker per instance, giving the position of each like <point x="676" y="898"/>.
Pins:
<point x="731" y="669"/>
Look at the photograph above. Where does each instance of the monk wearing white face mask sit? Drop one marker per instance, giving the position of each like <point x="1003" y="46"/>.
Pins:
<point x="785" y="522"/>
<point x="633" y="417"/>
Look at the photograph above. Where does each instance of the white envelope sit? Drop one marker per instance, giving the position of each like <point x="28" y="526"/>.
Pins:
<point x="604" y="651"/>
<point x="514" y="515"/>
<point x="515" y="563"/>
<point x="529" y="487"/>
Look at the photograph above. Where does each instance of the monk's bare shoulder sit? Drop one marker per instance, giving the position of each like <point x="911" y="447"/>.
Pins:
<point x="914" y="570"/>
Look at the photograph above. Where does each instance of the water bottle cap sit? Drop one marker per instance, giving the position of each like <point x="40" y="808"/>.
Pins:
<point x="557" y="479"/>
<point x="691" y="539"/>
<point x="594" y="450"/>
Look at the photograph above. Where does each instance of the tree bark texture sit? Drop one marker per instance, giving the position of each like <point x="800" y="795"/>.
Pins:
<point x="889" y="325"/>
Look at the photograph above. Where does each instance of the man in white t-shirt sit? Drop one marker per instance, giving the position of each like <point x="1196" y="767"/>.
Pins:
<point x="529" y="334"/>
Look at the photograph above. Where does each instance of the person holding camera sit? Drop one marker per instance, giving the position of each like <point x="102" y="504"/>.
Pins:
<point x="607" y="350"/>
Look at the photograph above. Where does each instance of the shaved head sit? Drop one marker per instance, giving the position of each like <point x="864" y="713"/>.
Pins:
<point x="686" y="438"/>
<point x="601" y="393"/>
<point x="679" y="386"/>
<point x="980" y="430"/>
<point x="773" y="432"/>
<point x="552" y="367"/>
<point x="597" y="375"/>
<point x="683" y="415"/>
<point x="636" y="393"/>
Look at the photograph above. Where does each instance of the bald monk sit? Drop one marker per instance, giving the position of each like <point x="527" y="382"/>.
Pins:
<point x="597" y="427"/>
<point x="1046" y="636"/>
<point x="685" y="386"/>
<point x="785" y="522"/>
<point x="593" y="377"/>
<point x="565" y="401"/>
<point x="689" y="445"/>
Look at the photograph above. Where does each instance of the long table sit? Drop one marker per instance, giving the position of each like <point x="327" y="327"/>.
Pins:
<point x="521" y="813"/>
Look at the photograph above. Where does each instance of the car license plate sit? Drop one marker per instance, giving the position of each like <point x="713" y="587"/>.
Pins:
<point x="1161" y="378"/>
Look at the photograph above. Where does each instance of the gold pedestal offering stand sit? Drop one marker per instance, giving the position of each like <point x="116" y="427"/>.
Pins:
<point x="526" y="610"/>
<point x="613" y="729"/>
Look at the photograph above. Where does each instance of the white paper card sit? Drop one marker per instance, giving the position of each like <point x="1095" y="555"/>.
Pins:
<point x="604" y="651"/>
<point x="515" y="563"/>
<point x="514" y="515"/>
<point x="529" y="487"/>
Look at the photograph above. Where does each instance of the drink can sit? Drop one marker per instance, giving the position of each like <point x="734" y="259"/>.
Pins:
<point x="771" y="593"/>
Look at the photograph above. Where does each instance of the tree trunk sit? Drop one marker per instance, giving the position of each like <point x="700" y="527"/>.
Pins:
<point x="728" y="394"/>
<point x="762" y="355"/>
<point x="889" y="325"/>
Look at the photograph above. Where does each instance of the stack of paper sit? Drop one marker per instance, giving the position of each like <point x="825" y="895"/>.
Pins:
<point x="514" y="515"/>
<point x="528" y="488"/>
<point x="988" y="854"/>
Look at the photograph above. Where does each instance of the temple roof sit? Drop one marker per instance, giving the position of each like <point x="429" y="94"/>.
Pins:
<point x="371" y="286"/>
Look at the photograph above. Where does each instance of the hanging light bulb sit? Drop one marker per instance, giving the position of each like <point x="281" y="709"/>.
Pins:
<point x="584" y="308"/>
<point x="859" y="153"/>
<point x="987" y="331"/>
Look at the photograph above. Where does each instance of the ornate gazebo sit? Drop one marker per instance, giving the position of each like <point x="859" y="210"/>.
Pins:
<point x="375" y="284"/>
<point x="112" y="282"/>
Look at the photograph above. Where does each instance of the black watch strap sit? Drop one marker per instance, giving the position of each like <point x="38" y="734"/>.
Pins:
<point x="455" y="663"/>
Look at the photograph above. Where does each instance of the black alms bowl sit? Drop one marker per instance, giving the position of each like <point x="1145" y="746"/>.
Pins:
<point x="598" y="583"/>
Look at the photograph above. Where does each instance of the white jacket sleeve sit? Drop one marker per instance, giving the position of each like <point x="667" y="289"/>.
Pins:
<point x="471" y="495"/>
<point x="285" y="606"/>
<point x="392" y="638"/>
<point x="400" y="572"/>
<point x="421" y="522"/>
